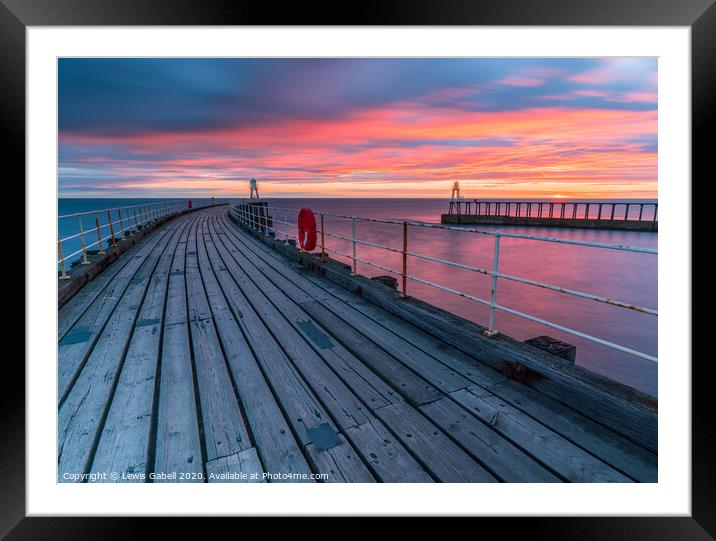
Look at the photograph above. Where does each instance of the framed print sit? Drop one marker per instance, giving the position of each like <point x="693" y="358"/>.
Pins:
<point x="408" y="264"/>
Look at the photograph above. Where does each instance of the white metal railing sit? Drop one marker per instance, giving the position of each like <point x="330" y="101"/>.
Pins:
<point x="267" y="223"/>
<point x="605" y="210"/>
<point x="111" y="225"/>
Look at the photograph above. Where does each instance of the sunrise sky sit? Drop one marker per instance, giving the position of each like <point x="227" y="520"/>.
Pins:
<point x="358" y="127"/>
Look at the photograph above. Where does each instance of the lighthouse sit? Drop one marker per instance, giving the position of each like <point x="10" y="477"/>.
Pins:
<point x="253" y="186"/>
<point x="455" y="190"/>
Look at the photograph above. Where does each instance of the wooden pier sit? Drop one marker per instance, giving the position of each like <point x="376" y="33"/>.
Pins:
<point x="207" y="352"/>
<point x="570" y="214"/>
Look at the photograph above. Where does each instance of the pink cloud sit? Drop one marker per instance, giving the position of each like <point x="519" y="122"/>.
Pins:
<point x="516" y="80"/>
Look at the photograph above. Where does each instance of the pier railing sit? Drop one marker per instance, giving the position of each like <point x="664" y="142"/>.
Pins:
<point x="94" y="228"/>
<point x="278" y="225"/>
<point x="575" y="210"/>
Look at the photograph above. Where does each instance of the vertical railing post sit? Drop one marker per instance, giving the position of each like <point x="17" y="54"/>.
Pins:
<point x="626" y="212"/>
<point x="656" y="209"/>
<point x="99" y="233"/>
<point x="285" y="225"/>
<point x="599" y="215"/>
<point x="323" y="241"/>
<point x="493" y="294"/>
<point x="355" y="263"/>
<point x="111" y="227"/>
<point x="63" y="274"/>
<point x="121" y="223"/>
<point x="404" y="293"/>
<point x="85" y="261"/>
<point x="641" y="211"/>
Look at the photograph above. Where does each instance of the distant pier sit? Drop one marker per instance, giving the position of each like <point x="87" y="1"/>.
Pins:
<point x="572" y="214"/>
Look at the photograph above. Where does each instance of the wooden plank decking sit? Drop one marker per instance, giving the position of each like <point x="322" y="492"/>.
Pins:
<point x="203" y="355"/>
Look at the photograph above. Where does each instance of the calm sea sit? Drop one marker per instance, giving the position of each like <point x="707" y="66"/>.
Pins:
<point x="620" y="275"/>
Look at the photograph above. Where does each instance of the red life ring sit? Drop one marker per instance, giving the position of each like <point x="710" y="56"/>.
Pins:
<point x="306" y="229"/>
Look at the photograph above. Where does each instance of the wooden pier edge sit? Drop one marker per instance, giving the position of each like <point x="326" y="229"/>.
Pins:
<point x="84" y="274"/>
<point x="617" y="406"/>
<point x="571" y="223"/>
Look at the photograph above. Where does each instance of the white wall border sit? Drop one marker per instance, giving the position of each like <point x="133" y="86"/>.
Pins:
<point x="671" y="496"/>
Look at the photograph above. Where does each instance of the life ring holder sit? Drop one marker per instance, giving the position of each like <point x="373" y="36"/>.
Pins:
<point x="306" y="229"/>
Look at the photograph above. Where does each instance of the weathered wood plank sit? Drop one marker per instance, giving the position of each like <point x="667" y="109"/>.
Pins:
<point x="301" y="407"/>
<point x="272" y="321"/>
<point x="73" y="309"/>
<point x="224" y="429"/>
<point x="495" y="453"/>
<point x="344" y="406"/>
<point x="81" y="415"/>
<point x="124" y="441"/>
<point x="602" y="442"/>
<point x="341" y="463"/>
<point x="72" y="354"/>
<point x="349" y="307"/>
<point x="264" y="285"/>
<point x="447" y="422"/>
<point x="439" y="455"/>
<point x="414" y="388"/>
<point x="561" y="456"/>
<point x="442" y="377"/>
<point x="243" y="467"/>
<point x="276" y="444"/>
<point x="317" y="344"/>
<point x="623" y="455"/>
<point x="178" y="444"/>
<point x="385" y="455"/>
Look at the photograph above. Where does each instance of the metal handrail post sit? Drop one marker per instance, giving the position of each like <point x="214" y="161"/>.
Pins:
<point x="111" y="227"/>
<point x="85" y="261"/>
<point x="99" y="233"/>
<point x="404" y="293"/>
<point x="285" y="225"/>
<point x="63" y="274"/>
<point x="355" y="264"/>
<point x="323" y="241"/>
<point x="493" y="295"/>
<point x="121" y="223"/>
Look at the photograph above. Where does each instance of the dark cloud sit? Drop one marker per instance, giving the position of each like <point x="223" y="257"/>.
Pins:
<point x="128" y="96"/>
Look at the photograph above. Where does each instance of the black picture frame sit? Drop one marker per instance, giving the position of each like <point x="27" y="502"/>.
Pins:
<point x="699" y="15"/>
